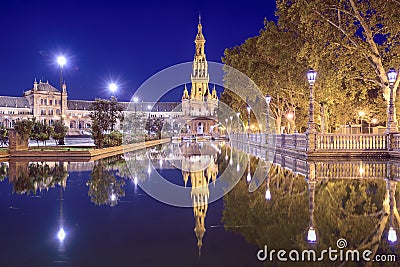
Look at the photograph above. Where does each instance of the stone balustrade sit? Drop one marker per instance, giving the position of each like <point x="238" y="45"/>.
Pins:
<point x="351" y="142"/>
<point x="326" y="144"/>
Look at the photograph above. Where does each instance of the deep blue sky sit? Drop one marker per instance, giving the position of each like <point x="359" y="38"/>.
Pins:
<point x="124" y="40"/>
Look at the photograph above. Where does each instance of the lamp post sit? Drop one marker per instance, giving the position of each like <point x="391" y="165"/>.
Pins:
<point x="248" y="120"/>
<point x="135" y="100"/>
<point x="311" y="76"/>
<point x="374" y="121"/>
<point x="230" y="125"/>
<point x="391" y="188"/>
<point x="289" y="117"/>
<point x="61" y="62"/>
<point x="392" y="123"/>
<point x="311" y="233"/>
<point x="361" y="114"/>
<point x="149" y="121"/>
<point x="267" y="191"/>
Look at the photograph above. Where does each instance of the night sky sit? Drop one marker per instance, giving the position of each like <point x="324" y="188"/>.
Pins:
<point x="122" y="41"/>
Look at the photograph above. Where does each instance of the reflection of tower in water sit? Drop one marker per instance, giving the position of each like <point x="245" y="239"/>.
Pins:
<point x="202" y="170"/>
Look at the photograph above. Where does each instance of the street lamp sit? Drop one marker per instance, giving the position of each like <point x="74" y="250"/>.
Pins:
<point x="361" y="114"/>
<point x="149" y="121"/>
<point x="113" y="87"/>
<point x="268" y="100"/>
<point x="135" y="100"/>
<point x="311" y="76"/>
<point x="392" y="124"/>
<point x="61" y="60"/>
<point x="373" y="121"/>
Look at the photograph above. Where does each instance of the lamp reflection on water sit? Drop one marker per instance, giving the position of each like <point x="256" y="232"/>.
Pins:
<point x="391" y="190"/>
<point x="248" y="169"/>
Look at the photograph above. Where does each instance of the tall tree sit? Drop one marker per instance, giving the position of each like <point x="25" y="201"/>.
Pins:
<point x="351" y="43"/>
<point x="59" y="132"/>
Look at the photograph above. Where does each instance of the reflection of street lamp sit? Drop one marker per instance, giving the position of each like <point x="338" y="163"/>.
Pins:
<point x="61" y="233"/>
<point x="311" y="76"/>
<point x="311" y="233"/>
<point x="392" y="123"/>
<point x="61" y="61"/>
<point x="267" y="191"/>
<point x="226" y="126"/>
<point x="248" y="169"/>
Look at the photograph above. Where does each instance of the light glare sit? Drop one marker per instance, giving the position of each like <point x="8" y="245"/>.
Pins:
<point x="61" y="235"/>
<point x="61" y="61"/>
<point x="113" y="87"/>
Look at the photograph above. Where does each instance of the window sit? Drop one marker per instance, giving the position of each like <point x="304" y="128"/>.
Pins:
<point x="50" y="111"/>
<point x="43" y="112"/>
<point x="41" y="101"/>
<point x="51" y="102"/>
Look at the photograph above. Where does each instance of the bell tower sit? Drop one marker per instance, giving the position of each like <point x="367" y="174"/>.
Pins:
<point x="199" y="76"/>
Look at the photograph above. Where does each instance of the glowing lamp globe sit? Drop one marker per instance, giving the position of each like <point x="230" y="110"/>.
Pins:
<point x="113" y="87"/>
<point x="268" y="195"/>
<point x="392" y="236"/>
<point x="392" y="75"/>
<point x="311" y="236"/>
<point x="268" y="99"/>
<point x="311" y="76"/>
<point x="248" y="178"/>
<point x="61" y="61"/>
<point x="61" y="234"/>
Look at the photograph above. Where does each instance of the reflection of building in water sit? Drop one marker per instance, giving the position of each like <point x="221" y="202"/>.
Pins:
<point x="202" y="169"/>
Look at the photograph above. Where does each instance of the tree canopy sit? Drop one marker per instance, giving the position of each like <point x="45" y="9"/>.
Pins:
<point x="351" y="44"/>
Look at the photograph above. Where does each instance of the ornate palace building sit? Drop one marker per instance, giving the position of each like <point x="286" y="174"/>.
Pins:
<point x="48" y="104"/>
<point x="200" y="106"/>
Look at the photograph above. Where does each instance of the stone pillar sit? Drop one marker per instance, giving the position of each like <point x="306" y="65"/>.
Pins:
<point x="311" y="141"/>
